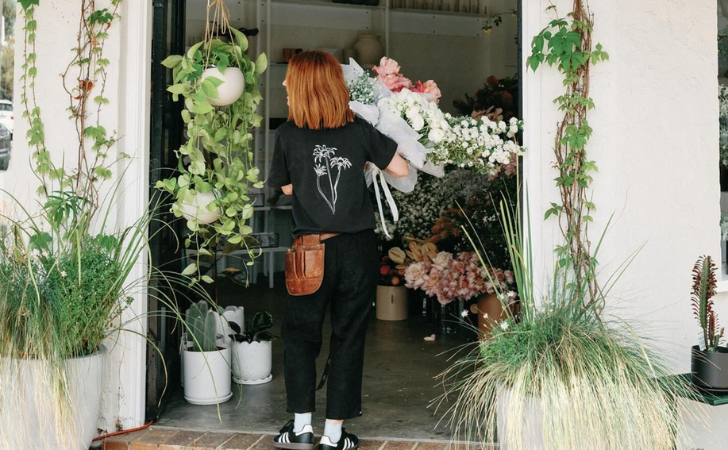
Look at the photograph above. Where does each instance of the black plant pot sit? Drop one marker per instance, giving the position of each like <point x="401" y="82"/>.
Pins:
<point x="710" y="369"/>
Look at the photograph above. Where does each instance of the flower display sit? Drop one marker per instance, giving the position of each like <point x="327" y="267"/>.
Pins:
<point x="497" y="100"/>
<point x="451" y="277"/>
<point x="482" y="145"/>
<point x="420" y="209"/>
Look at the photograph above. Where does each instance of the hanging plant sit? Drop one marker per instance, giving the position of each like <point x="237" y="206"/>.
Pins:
<point x="219" y="84"/>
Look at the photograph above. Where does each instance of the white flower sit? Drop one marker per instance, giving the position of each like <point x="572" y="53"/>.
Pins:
<point x="436" y="135"/>
<point x="464" y="313"/>
<point x="63" y="273"/>
<point x="504" y="325"/>
<point x="485" y="316"/>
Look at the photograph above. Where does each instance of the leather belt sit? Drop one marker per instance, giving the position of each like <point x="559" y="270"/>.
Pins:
<point x="313" y="239"/>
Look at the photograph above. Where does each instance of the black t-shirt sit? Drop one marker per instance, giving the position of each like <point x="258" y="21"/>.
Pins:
<point x="326" y="168"/>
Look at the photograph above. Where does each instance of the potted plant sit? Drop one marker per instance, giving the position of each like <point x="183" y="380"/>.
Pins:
<point x="206" y="363"/>
<point x="253" y="350"/>
<point x="64" y="265"/>
<point x="214" y="189"/>
<point x="391" y="300"/>
<point x="709" y="360"/>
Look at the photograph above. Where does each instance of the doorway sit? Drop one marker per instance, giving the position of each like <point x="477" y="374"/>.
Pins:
<point x="443" y="40"/>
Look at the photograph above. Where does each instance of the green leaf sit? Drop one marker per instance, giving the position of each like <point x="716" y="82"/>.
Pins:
<point x="261" y="64"/>
<point x="28" y="3"/>
<point x="172" y="61"/>
<point x="189" y="270"/>
<point x="193" y="49"/>
<point x="240" y="38"/>
<point x="202" y="108"/>
<point x="245" y="230"/>
<point x="207" y="279"/>
<point x="208" y="87"/>
<point x="235" y="239"/>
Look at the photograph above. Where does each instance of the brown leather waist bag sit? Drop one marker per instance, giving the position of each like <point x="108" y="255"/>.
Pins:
<point x="305" y="264"/>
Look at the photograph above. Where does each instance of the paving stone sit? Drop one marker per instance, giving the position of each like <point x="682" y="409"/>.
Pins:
<point x="212" y="441"/>
<point x="399" y="445"/>
<point x="264" y="444"/>
<point x="366" y="444"/>
<point x="121" y="442"/>
<point x="152" y="439"/>
<point x="431" y="446"/>
<point x="181" y="440"/>
<point x="241" y="442"/>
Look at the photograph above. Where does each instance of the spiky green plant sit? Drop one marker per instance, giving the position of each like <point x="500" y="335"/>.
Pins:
<point x="703" y="291"/>
<point x="560" y="374"/>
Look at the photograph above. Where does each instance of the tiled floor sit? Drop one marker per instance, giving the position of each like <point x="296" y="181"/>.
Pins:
<point x="162" y="438"/>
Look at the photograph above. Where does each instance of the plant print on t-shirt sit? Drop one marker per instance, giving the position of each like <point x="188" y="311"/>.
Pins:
<point x="326" y="161"/>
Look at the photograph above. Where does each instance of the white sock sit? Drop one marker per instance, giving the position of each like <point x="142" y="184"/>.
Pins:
<point x="333" y="431"/>
<point x="300" y="421"/>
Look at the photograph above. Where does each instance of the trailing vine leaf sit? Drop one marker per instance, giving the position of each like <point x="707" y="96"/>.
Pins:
<point x="566" y="43"/>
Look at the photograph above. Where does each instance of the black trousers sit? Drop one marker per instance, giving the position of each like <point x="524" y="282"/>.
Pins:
<point x="349" y="286"/>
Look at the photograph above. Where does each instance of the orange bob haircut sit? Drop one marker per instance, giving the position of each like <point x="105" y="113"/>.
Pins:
<point x="317" y="94"/>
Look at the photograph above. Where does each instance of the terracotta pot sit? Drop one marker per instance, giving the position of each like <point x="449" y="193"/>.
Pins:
<point x="391" y="303"/>
<point x="369" y="49"/>
<point x="710" y="369"/>
<point x="490" y="305"/>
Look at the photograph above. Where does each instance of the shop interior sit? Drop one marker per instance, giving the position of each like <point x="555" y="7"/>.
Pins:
<point x="462" y="45"/>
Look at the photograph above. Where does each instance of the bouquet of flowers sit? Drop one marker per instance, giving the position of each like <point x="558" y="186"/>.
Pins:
<point x="456" y="277"/>
<point x="482" y="145"/>
<point x="497" y="100"/>
<point x="421" y="114"/>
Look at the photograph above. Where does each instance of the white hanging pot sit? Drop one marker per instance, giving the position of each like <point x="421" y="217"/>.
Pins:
<point x="232" y="87"/>
<point x="32" y="421"/>
<point x="252" y="362"/>
<point x="196" y="209"/>
<point x="207" y="376"/>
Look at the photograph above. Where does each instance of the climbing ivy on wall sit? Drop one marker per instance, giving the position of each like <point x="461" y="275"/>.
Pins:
<point x="566" y="43"/>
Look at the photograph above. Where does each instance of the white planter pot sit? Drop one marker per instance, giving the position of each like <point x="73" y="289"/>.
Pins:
<point x="232" y="87"/>
<point x="252" y="362"/>
<point x="235" y="314"/>
<point x="207" y="377"/>
<point x="197" y="208"/>
<point x="29" y="419"/>
<point x="528" y="413"/>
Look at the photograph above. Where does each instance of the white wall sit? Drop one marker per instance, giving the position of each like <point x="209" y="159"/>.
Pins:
<point x="656" y="143"/>
<point x="128" y="91"/>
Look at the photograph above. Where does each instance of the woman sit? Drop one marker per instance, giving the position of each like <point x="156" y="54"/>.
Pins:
<point x="319" y="158"/>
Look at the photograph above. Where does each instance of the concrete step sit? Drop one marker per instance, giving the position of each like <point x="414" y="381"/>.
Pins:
<point x="163" y="438"/>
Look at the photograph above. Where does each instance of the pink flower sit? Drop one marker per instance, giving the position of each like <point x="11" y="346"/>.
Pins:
<point x="387" y="66"/>
<point x="388" y="73"/>
<point x="415" y="275"/>
<point x="429" y="89"/>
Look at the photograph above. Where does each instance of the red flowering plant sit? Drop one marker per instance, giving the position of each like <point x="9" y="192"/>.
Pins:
<point x="704" y="288"/>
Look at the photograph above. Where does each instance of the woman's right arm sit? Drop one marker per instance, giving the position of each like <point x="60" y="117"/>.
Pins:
<point x="398" y="167"/>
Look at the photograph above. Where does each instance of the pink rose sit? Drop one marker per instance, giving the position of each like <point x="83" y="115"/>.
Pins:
<point x="415" y="275"/>
<point x="387" y="66"/>
<point x="388" y="73"/>
<point x="429" y="89"/>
